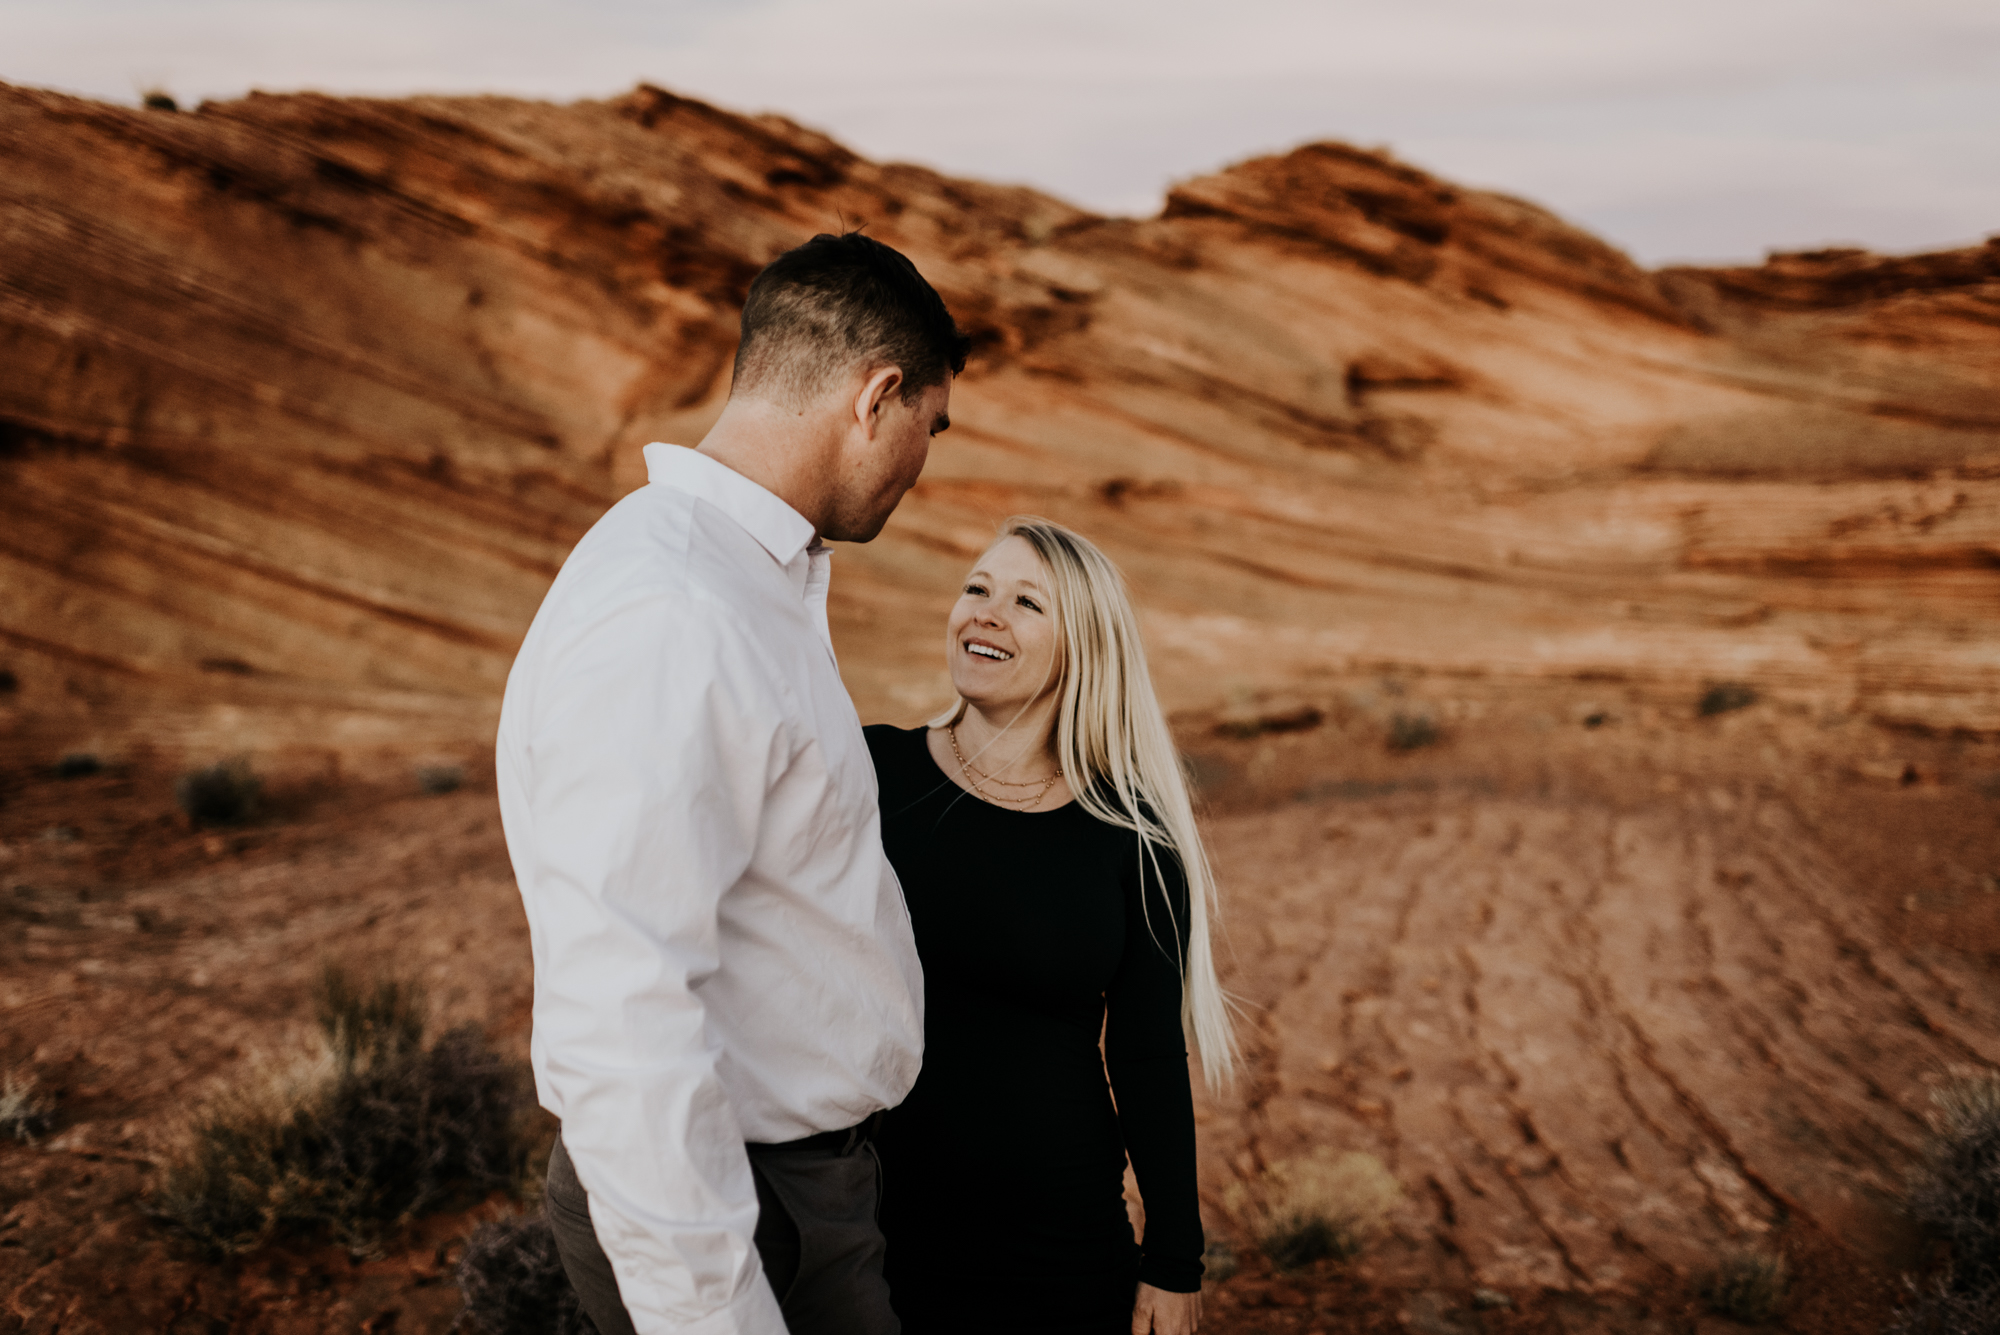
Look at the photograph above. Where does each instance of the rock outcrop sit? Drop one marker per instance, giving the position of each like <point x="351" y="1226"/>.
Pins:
<point x="306" y="397"/>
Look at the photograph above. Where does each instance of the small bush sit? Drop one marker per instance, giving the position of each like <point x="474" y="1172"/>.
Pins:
<point x="439" y="779"/>
<point x="78" y="765"/>
<point x="1747" y="1286"/>
<point x="1954" y="1195"/>
<point x="367" y="1130"/>
<point x="24" y="1113"/>
<point x="1940" y="1309"/>
<point x="158" y="99"/>
<point x="1725" y="696"/>
<point x="512" y="1280"/>
<point x="1319" y="1205"/>
<point x="224" y="794"/>
<point x="1411" y="732"/>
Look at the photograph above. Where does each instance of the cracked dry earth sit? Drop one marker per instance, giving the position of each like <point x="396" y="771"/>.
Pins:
<point x="1605" y="1034"/>
<point x="1605" y="1002"/>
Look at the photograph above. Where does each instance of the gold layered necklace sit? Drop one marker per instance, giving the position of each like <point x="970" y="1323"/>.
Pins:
<point x="980" y="779"/>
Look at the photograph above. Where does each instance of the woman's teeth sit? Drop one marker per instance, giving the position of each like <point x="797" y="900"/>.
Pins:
<point x="987" y="651"/>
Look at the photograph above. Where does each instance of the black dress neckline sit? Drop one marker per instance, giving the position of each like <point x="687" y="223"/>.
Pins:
<point x="923" y="737"/>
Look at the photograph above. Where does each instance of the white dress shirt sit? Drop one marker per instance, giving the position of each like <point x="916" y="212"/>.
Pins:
<point x="722" y="952"/>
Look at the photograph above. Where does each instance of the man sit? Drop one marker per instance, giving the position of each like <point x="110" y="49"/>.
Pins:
<point x="726" y="988"/>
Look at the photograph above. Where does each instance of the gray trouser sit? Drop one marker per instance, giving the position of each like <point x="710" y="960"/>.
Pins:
<point x="817" y="1236"/>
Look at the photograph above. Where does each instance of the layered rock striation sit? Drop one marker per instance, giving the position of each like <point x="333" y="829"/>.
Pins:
<point x="306" y="397"/>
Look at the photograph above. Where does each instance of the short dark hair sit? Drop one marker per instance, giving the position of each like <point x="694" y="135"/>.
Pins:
<point x="821" y="307"/>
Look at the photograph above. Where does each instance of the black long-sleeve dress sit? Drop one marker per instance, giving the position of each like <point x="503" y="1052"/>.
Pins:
<point x="1004" y="1169"/>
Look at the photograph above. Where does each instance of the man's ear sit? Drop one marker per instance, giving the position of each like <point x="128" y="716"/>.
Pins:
<point x="874" y="391"/>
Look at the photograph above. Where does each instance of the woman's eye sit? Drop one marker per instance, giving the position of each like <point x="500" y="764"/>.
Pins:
<point x="1028" y="603"/>
<point x="974" y="589"/>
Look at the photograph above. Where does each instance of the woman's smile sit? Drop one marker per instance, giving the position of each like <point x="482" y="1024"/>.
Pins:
<point x="1002" y="620"/>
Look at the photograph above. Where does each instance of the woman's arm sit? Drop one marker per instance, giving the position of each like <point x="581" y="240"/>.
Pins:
<point x="1146" y="1056"/>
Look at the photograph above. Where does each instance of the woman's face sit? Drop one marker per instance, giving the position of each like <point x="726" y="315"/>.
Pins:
<point x="1001" y="638"/>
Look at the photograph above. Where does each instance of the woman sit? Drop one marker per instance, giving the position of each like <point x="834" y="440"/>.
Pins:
<point x="1043" y="834"/>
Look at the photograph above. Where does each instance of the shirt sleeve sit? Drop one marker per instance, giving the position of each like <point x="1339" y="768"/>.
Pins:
<point x="649" y="753"/>
<point x="1145" y="1054"/>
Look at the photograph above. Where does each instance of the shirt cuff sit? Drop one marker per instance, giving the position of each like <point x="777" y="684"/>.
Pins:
<point x="1171" y="1274"/>
<point x="752" y="1312"/>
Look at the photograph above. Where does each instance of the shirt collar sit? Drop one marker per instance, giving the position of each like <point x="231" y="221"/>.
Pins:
<point x="777" y="527"/>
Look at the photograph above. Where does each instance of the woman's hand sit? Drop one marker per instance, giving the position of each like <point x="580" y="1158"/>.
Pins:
<point x="1157" y="1312"/>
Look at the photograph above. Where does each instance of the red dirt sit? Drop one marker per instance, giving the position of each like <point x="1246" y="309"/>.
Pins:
<point x="1605" y="1000"/>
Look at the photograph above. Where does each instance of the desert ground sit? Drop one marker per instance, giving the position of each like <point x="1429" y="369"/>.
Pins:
<point x="1606" y="1000"/>
<point x="1592" y="674"/>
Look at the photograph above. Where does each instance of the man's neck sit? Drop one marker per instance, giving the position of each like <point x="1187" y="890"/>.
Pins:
<point x="784" y="451"/>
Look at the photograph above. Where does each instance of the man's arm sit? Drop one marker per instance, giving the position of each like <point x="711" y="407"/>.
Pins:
<point x="648" y="757"/>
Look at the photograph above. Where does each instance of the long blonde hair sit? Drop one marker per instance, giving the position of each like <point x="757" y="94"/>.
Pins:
<point x="1113" y="744"/>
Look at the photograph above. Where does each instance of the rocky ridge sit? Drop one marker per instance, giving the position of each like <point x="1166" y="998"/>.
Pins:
<point x="308" y="396"/>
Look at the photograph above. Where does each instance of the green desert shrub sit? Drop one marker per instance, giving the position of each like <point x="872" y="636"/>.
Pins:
<point x="25" y="1113"/>
<point x="224" y="794"/>
<point x="1954" y="1195"/>
<point x="1317" y="1205"/>
<point x="366" y="1129"/>
<point x="1746" y="1285"/>
<point x="513" y="1283"/>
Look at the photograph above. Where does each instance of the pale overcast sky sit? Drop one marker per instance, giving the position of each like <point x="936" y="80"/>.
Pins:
<point x="1696" y="129"/>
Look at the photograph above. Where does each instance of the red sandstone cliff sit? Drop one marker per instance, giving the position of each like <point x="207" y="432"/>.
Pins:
<point x="306" y="397"/>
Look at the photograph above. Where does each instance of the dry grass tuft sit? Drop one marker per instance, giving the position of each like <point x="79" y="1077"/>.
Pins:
<point x="384" y="1020"/>
<point x="1318" y="1205"/>
<point x="365" y="1130"/>
<point x="25" y="1114"/>
<point x="512" y="1280"/>
<point x="1747" y="1285"/>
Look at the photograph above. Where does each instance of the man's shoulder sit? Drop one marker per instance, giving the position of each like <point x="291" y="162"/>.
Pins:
<point x="667" y="543"/>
